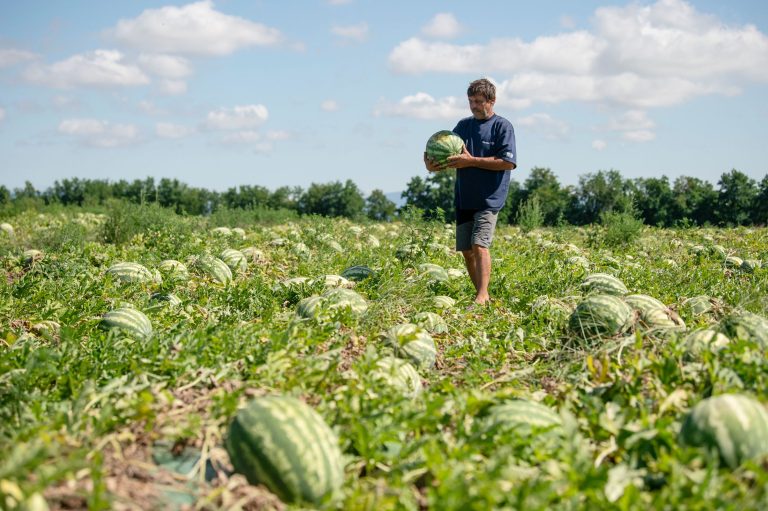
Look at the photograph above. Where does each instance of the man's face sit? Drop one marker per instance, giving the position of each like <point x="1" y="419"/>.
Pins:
<point x="481" y="107"/>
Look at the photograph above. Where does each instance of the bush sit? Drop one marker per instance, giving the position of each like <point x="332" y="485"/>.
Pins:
<point x="126" y="220"/>
<point x="530" y="216"/>
<point x="620" y="227"/>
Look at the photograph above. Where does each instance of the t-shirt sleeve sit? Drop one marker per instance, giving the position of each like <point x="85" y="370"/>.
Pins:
<point x="507" y="149"/>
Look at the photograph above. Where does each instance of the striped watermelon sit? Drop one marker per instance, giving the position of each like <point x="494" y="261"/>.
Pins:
<point x="750" y="265"/>
<point x="335" y="281"/>
<point x="341" y="298"/>
<point x="253" y="254"/>
<point x="235" y="259"/>
<point x="357" y="273"/>
<point x="699" y="305"/>
<point x="735" y="425"/>
<point x="282" y="443"/>
<point x="431" y="322"/>
<point x="441" y="302"/>
<point x="222" y="231"/>
<point x="239" y="232"/>
<point x="412" y="342"/>
<point x="746" y="326"/>
<point x="398" y="374"/>
<point x="133" y="272"/>
<point x="310" y="307"/>
<point x="174" y="270"/>
<point x="433" y="272"/>
<point x="705" y="339"/>
<point x="214" y="268"/>
<point x="521" y="415"/>
<point x="31" y="256"/>
<point x="166" y="299"/>
<point x="604" y="284"/>
<point x="443" y="144"/>
<point x="601" y="316"/>
<point x="129" y="320"/>
<point x="644" y="303"/>
<point x="6" y="228"/>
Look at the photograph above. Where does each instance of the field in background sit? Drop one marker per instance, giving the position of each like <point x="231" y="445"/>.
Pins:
<point x="93" y="418"/>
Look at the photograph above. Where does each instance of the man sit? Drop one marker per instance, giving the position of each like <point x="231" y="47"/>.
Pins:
<point x="482" y="180"/>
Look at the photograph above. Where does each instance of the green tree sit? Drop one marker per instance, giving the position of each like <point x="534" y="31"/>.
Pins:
<point x="332" y="200"/>
<point x="552" y="199"/>
<point x="693" y="200"/>
<point x="379" y="207"/>
<point x="735" y="198"/>
<point x="432" y="194"/>
<point x="760" y="205"/>
<point x="597" y="193"/>
<point x="654" y="200"/>
<point x="285" y="197"/>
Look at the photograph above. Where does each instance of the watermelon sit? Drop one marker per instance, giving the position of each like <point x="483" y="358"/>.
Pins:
<point x="735" y="425"/>
<point x="750" y="265"/>
<point x="603" y="283"/>
<point x="253" y="254"/>
<point x="341" y="298"/>
<point x="129" y="320"/>
<point x="6" y="228"/>
<point x="524" y="416"/>
<point x="398" y="374"/>
<point x="285" y="445"/>
<point x="746" y="326"/>
<point x="412" y="342"/>
<point x="443" y="302"/>
<point x="443" y="144"/>
<point x="174" y="270"/>
<point x="601" y="316"/>
<point x="433" y="272"/>
<point x="357" y="273"/>
<point x="431" y="322"/>
<point x="214" y="268"/>
<point x="31" y="256"/>
<point x="705" y="339"/>
<point x="133" y="272"/>
<point x="235" y="259"/>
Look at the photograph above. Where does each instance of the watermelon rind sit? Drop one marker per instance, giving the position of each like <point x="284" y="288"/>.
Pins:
<point x="285" y="445"/>
<point x="735" y="425"/>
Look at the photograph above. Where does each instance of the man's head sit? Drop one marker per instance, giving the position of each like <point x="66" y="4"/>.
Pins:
<point x="482" y="96"/>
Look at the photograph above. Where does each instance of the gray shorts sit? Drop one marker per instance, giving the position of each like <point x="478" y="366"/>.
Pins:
<point x="475" y="228"/>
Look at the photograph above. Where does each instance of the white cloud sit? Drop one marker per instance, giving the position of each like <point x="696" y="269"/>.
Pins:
<point x="11" y="56"/>
<point x="170" y="130"/>
<point x="330" y="105"/>
<point x="238" y="118"/>
<point x="172" y="87"/>
<point x="423" y="106"/>
<point x="357" y="33"/>
<point x="634" y="126"/>
<point x="599" y="145"/>
<point x="167" y="66"/>
<point x="259" y="142"/>
<point x="545" y="125"/>
<point x="95" y="133"/>
<point x="193" y="29"/>
<point x="639" y="136"/>
<point x="641" y="56"/>
<point x="99" y="68"/>
<point x="443" y="26"/>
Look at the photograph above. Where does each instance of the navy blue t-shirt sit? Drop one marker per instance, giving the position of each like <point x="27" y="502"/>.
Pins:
<point x="479" y="188"/>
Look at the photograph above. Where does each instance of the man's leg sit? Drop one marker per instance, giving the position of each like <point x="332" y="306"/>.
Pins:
<point x="482" y="260"/>
<point x="469" y="260"/>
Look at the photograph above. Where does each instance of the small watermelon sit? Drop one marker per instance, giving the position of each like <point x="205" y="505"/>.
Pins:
<point x="443" y="144"/>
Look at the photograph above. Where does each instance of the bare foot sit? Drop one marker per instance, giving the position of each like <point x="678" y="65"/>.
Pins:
<point x="482" y="300"/>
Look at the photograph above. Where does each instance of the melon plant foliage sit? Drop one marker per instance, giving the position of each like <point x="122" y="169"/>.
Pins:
<point x="241" y="360"/>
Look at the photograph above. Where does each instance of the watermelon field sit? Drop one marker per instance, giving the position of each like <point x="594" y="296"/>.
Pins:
<point x="156" y="361"/>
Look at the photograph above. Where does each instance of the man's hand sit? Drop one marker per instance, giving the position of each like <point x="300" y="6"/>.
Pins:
<point x="462" y="160"/>
<point x="431" y="165"/>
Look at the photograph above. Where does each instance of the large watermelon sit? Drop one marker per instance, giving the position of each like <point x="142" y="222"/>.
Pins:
<point x="398" y="374"/>
<point x="521" y="415"/>
<point x="284" y="444"/>
<point x="412" y="342"/>
<point x="746" y="326"/>
<point x="603" y="283"/>
<point x="735" y="425"/>
<point x="214" y="268"/>
<point x="133" y="272"/>
<point x="357" y="273"/>
<point x="443" y="144"/>
<point x="601" y="316"/>
<point x="131" y="321"/>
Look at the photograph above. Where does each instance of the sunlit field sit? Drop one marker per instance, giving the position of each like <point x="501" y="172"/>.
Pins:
<point x="573" y="389"/>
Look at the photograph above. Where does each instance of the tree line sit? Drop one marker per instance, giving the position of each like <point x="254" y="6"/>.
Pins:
<point x="736" y="199"/>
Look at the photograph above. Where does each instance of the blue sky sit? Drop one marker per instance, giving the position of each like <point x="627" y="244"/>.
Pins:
<point x="243" y="92"/>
